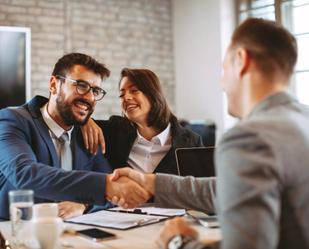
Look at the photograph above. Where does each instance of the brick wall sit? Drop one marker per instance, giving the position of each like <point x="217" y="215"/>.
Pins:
<point x="120" y="33"/>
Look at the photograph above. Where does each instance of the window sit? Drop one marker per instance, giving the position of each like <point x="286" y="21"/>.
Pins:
<point x="294" y="15"/>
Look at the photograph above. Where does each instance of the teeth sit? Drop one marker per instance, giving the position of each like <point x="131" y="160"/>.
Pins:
<point x="82" y="106"/>
<point x="131" y="107"/>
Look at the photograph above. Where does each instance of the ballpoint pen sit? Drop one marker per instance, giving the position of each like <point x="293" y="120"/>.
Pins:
<point x="134" y="211"/>
<point x="146" y="221"/>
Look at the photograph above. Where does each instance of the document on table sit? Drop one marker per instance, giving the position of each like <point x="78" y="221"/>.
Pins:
<point x="117" y="220"/>
<point x="169" y="212"/>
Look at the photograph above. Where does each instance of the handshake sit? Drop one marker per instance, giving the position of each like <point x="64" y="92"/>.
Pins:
<point x="128" y="188"/>
<point x="125" y="187"/>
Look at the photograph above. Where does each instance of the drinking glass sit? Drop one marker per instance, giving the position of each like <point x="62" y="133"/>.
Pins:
<point x="21" y="202"/>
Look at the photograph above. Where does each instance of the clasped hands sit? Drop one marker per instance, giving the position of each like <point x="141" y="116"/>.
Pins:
<point x="143" y="187"/>
<point x="128" y="188"/>
<point x="124" y="187"/>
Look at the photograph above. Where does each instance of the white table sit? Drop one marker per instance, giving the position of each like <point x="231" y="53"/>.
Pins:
<point x="138" y="238"/>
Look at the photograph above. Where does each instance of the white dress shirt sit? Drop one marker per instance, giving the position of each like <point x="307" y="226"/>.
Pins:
<point x="146" y="155"/>
<point x="55" y="130"/>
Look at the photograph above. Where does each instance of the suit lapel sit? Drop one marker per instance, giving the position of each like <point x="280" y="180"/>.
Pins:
<point x="168" y="163"/>
<point x="34" y="108"/>
<point x="44" y="131"/>
<point x="78" y="156"/>
<point x="179" y="140"/>
<point x="81" y="157"/>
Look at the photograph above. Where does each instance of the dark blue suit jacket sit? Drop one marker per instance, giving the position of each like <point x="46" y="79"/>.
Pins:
<point x="28" y="160"/>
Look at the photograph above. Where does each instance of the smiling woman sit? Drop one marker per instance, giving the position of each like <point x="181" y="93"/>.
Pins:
<point x="147" y="135"/>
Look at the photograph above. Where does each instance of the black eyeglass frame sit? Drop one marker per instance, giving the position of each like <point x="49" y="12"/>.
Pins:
<point x="82" y="91"/>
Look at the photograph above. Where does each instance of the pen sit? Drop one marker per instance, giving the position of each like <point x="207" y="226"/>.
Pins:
<point x="142" y="222"/>
<point x="135" y="211"/>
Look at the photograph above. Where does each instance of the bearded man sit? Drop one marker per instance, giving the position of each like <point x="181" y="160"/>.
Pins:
<point x="42" y="148"/>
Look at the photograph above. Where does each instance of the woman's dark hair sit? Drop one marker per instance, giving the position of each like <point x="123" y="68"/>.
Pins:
<point x="148" y="83"/>
<point x="66" y="62"/>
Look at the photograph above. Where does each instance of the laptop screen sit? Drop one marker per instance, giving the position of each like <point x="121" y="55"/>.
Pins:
<point x="197" y="161"/>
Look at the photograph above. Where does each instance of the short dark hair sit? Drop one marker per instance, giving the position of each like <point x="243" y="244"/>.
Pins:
<point x="66" y="62"/>
<point x="272" y="46"/>
<point x="148" y="83"/>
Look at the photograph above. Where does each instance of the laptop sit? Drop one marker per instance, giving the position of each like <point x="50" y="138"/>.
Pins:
<point x="196" y="161"/>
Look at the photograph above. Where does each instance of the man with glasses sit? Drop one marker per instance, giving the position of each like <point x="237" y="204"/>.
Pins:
<point x="42" y="148"/>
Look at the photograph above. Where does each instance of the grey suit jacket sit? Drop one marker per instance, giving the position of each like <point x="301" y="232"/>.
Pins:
<point x="263" y="178"/>
<point x="188" y="192"/>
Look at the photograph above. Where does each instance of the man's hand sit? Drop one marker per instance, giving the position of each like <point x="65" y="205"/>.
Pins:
<point x="147" y="181"/>
<point x="68" y="209"/>
<point x="171" y="228"/>
<point x="93" y="137"/>
<point x="127" y="190"/>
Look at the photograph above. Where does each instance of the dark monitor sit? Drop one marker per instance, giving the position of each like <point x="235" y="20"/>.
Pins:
<point x="14" y="66"/>
<point x="196" y="161"/>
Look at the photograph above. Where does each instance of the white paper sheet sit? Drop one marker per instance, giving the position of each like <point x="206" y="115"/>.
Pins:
<point x="116" y="220"/>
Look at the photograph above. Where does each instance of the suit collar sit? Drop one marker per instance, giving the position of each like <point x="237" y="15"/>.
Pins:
<point x="35" y="104"/>
<point x="278" y="99"/>
<point x="179" y="135"/>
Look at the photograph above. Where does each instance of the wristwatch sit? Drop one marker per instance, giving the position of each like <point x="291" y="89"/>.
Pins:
<point x="178" y="241"/>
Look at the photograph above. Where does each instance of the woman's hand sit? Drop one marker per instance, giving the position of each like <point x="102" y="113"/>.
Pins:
<point x="93" y="137"/>
<point x="68" y="209"/>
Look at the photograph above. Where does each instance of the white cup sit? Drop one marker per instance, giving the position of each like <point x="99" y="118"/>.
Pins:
<point x="44" y="210"/>
<point x="47" y="231"/>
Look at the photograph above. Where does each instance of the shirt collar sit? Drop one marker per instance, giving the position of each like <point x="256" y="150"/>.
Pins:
<point x="56" y="129"/>
<point x="161" y="137"/>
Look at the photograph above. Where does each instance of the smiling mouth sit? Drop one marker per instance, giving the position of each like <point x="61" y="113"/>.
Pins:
<point x="83" y="106"/>
<point x="131" y="107"/>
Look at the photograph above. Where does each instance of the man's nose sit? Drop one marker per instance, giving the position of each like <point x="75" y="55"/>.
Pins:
<point x="89" y="96"/>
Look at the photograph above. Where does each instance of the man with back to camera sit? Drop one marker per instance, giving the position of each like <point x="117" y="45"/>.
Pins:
<point x="41" y="144"/>
<point x="262" y="163"/>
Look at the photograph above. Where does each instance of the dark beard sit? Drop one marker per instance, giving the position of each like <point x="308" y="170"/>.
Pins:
<point x="66" y="112"/>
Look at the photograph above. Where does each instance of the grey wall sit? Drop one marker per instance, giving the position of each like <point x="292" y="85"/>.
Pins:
<point x="197" y="53"/>
<point x="120" y="33"/>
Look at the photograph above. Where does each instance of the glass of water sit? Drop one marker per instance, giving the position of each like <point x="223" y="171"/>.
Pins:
<point x="21" y="202"/>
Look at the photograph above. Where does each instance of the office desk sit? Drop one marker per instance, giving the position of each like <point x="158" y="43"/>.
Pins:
<point x="137" y="238"/>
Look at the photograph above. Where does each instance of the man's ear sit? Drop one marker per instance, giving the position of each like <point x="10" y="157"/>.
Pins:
<point x="53" y="85"/>
<point x="242" y="61"/>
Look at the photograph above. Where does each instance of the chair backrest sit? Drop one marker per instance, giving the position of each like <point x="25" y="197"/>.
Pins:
<point x="206" y="131"/>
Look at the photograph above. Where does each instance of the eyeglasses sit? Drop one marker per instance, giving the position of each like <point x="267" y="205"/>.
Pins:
<point x="83" y="87"/>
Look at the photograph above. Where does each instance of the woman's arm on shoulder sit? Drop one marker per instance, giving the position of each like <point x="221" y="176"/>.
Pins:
<point x="96" y="132"/>
<point x="93" y="136"/>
